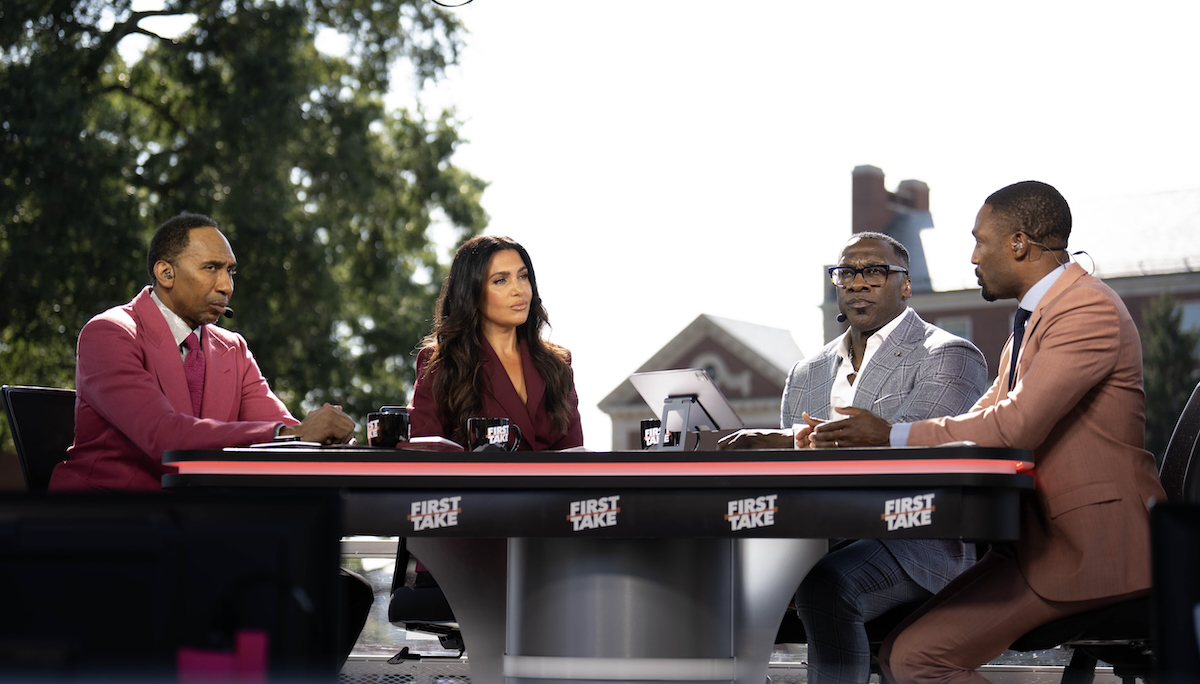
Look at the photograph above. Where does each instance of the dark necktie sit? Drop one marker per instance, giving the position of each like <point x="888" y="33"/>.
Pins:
<point x="1019" y="321"/>
<point x="193" y="369"/>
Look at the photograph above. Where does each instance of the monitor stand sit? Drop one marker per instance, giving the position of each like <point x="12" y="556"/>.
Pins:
<point x="682" y="414"/>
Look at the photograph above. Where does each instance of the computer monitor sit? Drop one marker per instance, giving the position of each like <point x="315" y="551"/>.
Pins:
<point x="689" y="400"/>
<point x="111" y="586"/>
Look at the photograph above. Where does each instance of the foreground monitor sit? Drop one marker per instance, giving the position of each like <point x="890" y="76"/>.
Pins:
<point x="1175" y="530"/>
<point x="106" y="587"/>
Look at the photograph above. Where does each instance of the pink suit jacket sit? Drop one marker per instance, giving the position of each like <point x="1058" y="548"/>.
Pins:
<point x="500" y="400"/>
<point x="132" y="400"/>
<point x="1080" y="406"/>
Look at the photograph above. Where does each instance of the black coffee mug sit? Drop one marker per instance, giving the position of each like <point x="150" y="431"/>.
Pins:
<point x="651" y="430"/>
<point x="652" y="433"/>
<point x="492" y="432"/>
<point x="388" y="427"/>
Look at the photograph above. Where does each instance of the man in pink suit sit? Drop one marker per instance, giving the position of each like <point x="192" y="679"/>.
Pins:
<point x="1074" y="396"/>
<point x="133" y="399"/>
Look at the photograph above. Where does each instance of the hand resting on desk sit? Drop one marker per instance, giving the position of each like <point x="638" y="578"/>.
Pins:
<point x="325" y="425"/>
<point x="756" y="439"/>
<point x="797" y="438"/>
<point x="860" y="428"/>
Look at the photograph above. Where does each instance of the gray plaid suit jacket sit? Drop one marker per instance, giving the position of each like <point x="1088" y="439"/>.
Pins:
<point x="920" y="371"/>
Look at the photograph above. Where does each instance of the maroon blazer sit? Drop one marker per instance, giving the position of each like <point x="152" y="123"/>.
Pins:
<point x="132" y="401"/>
<point x="500" y="400"/>
<point x="1079" y="405"/>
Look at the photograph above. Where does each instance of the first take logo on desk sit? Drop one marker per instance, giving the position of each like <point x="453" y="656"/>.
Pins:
<point x="432" y="514"/>
<point x="746" y="514"/>
<point x="908" y="511"/>
<point x="590" y="514"/>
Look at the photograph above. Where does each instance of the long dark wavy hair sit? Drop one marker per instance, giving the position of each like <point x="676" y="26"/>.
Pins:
<point x="454" y="368"/>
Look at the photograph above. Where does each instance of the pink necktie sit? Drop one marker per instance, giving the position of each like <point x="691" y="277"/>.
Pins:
<point x="193" y="369"/>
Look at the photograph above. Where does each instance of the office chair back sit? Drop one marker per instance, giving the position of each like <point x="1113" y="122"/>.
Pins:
<point x="1120" y="634"/>
<point x="418" y="604"/>
<point x="1179" y="473"/>
<point x="42" y="420"/>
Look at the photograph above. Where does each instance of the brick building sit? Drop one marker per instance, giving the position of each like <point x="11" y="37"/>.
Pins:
<point x="1140" y="245"/>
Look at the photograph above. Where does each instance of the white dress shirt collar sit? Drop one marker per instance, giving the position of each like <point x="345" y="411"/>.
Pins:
<point x="179" y="327"/>
<point x="1034" y="296"/>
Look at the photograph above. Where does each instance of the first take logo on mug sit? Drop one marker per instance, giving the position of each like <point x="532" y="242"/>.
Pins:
<point x="492" y="433"/>
<point x="387" y="427"/>
<point x="651" y="431"/>
<point x="497" y="434"/>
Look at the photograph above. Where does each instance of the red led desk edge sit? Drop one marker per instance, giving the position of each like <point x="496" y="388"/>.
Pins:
<point x="380" y="462"/>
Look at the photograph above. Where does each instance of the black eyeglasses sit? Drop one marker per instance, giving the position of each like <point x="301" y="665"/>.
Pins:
<point x="874" y="275"/>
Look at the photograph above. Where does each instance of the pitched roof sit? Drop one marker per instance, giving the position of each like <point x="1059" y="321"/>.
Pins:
<point x="771" y="351"/>
<point x="1140" y="234"/>
<point x="773" y="344"/>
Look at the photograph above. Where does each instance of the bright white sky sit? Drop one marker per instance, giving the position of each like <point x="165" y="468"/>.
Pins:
<point x="661" y="159"/>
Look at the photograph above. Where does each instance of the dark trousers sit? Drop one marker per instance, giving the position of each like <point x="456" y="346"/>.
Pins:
<point x="359" y="596"/>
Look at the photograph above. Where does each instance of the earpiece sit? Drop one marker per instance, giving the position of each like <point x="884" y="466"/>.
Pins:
<point x="1018" y="245"/>
<point x="167" y="273"/>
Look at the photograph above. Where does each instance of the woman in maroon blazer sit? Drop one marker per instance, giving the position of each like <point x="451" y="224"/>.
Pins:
<point x="486" y="357"/>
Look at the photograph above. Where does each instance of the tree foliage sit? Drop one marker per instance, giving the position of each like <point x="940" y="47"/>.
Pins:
<point x="1171" y="368"/>
<point x="327" y="198"/>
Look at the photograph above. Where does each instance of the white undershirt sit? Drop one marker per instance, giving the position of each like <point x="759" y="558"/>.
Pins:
<point x="842" y="393"/>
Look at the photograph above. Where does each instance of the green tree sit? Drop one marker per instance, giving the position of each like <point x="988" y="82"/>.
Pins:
<point x="1170" y="368"/>
<point x="327" y="197"/>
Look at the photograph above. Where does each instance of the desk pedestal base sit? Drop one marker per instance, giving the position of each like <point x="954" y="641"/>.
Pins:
<point x="633" y="610"/>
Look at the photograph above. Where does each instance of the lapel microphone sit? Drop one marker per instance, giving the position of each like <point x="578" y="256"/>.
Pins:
<point x="228" y="312"/>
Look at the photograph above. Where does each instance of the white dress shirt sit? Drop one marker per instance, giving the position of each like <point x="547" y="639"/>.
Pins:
<point x="179" y="328"/>
<point x="842" y="392"/>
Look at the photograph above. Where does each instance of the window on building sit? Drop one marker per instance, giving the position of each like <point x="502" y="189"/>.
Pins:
<point x="956" y="325"/>
<point x="1191" y="317"/>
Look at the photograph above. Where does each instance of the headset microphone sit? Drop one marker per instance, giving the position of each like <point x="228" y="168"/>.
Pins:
<point x="841" y="317"/>
<point x="537" y="301"/>
<point x="228" y="312"/>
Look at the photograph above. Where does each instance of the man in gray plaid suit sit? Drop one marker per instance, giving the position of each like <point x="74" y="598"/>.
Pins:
<point x="900" y="368"/>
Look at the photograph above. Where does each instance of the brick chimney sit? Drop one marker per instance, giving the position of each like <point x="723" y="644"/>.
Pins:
<point x="874" y="208"/>
<point x="870" y="211"/>
<point x="913" y="194"/>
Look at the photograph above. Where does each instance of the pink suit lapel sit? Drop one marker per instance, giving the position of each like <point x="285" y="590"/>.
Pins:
<point x="162" y="355"/>
<point x="1073" y="273"/>
<point x="219" y="381"/>
<point x="1069" y="277"/>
